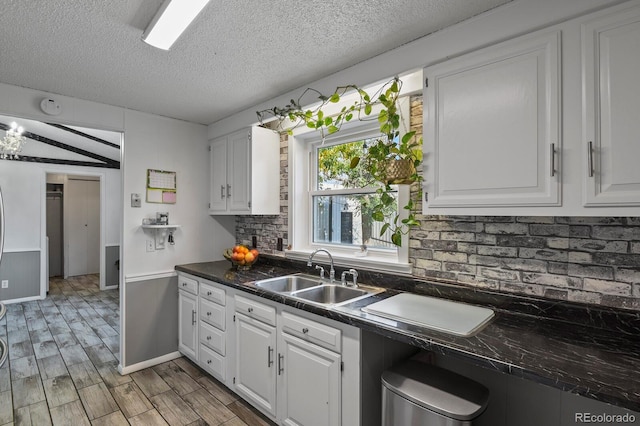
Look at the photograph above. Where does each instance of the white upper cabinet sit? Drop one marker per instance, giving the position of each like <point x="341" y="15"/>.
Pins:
<point x="245" y="173"/>
<point x="492" y="133"/>
<point x="611" y="109"/>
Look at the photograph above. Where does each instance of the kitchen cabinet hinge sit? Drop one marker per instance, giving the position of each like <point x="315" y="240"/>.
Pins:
<point x="234" y="320"/>
<point x="341" y="365"/>
<point x="249" y="204"/>
<point x="426" y="196"/>
<point x="426" y="82"/>
<point x="234" y="380"/>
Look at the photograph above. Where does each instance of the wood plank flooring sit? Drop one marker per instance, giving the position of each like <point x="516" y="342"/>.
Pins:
<point x="62" y="369"/>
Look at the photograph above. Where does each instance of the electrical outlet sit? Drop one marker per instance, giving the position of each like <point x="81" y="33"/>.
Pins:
<point x="5" y="283"/>
<point x="151" y="245"/>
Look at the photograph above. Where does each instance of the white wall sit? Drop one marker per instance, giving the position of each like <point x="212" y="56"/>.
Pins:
<point x="149" y="142"/>
<point x="153" y="142"/>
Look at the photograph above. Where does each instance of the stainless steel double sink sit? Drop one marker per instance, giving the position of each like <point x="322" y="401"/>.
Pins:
<point x="316" y="290"/>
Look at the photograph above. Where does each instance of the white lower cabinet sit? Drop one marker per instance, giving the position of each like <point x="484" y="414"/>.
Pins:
<point x="295" y="367"/>
<point x="255" y="375"/>
<point x="188" y="329"/>
<point x="309" y="378"/>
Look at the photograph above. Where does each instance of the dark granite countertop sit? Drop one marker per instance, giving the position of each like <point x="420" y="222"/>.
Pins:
<point x="591" y="351"/>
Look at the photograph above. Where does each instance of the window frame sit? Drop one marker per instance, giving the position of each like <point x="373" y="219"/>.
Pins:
<point x="303" y="186"/>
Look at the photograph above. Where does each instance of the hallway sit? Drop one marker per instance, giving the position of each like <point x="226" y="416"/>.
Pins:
<point x="62" y="369"/>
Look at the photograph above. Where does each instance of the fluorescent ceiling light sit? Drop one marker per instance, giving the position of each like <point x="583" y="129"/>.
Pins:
<point x="170" y="22"/>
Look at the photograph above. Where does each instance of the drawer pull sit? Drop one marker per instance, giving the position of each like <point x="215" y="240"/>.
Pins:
<point x="208" y="314"/>
<point x="208" y="361"/>
<point x="590" y="158"/>
<point x="184" y="284"/>
<point x="208" y="337"/>
<point x="250" y="309"/>
<point x="208" y="293"/>
<point x="305" y="330"/>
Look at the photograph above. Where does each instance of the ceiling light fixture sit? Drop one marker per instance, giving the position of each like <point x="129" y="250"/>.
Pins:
<point x="170" y="22"/>
<point x="12" y="143"/>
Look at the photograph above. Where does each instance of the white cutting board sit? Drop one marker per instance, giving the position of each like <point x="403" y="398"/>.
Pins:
<point x="430" y="312"/>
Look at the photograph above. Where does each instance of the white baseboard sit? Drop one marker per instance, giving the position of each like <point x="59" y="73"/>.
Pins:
<point x="22" y="299"/>
<point x="148" y="363"/>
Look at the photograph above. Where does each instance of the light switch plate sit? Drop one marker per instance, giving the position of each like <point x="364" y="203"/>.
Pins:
<point x="136" y="201"/>
<point x="151" y="245"/>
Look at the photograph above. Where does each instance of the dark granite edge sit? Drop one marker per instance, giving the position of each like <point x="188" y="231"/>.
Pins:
<point x="585" y="385"/>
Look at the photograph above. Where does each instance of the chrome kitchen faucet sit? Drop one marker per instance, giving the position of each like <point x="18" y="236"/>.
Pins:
<point x="332" y="272"/>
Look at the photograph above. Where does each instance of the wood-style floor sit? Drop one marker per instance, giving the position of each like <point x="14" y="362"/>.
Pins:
<point x="62" y="369"/>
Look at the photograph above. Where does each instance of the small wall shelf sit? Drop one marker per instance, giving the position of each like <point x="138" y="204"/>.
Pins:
<point x="160" y="234"/>
<point x="161" y="226"/>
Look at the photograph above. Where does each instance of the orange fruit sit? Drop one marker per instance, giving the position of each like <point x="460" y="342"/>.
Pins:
<point x="237" y="249"/>
<point x="249" y="257"/>
<point x="245" y="250"/>
<point x="254" y="252"/>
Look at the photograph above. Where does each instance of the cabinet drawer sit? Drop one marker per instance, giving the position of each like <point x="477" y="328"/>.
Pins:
<point x="256" y="310"/>
<point x="311" y="331"/>
<point x="212" y="362"/>
<point x="212" y="293"/>
<point x="187" y="284"/>
<point x="212" y="337"/>
<point x="212" y="313"/>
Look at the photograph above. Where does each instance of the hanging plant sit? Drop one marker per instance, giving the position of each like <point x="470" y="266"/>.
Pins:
<point x="383" y="160"/>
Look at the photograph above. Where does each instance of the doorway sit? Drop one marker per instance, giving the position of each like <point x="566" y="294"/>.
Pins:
<point x="73" y="227"/>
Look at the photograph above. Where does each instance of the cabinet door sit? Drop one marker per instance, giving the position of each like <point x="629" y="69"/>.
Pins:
<point x="611" y="101"/>
<point x="311" y="383"/>
<point x="239" y="170"/>
<point x="218" y="170"/>
<point x="255" y="362"/>
<point x="188" y="328"/>
<point x="492" y="126"/>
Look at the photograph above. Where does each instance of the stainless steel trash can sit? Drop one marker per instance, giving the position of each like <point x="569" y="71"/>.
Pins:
<point x="419" y="394"/>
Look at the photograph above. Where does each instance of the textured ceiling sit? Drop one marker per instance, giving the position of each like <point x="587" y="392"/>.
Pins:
<point x="235" y="55"/>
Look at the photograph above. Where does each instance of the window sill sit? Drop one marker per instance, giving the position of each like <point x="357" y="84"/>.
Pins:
<point x="370" y="263"/>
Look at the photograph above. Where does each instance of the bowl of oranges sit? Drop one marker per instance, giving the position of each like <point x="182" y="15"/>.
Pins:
<point x="241" y="256"/>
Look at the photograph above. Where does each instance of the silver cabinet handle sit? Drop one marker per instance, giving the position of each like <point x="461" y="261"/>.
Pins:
<point x="228" y="190"/>
<point x="208" y="361"/>
<point x="208" y="337"/>
<point x="208" y="293"/>
<point x="553" y="159"/>
<point x="250" y="309"/>
<point x="280" y="362"/>
<point x="221" y="191"/>
<point x="208" y="314"/>
<point x="305" y="330"/>
<point x="269" y="360"/>
<point x="590" y="158"/>
<point x="193" y="317"/>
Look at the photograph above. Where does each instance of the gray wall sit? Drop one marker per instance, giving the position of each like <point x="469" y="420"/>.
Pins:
<point x="22" y="269"/>
<point x="112" y="274"/>
<point x="151" y="327"/>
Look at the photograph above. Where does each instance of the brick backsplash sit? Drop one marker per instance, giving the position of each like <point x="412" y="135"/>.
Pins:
<point x="593" y="260"/>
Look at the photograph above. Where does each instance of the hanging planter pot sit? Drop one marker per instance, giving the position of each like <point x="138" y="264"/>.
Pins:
<point x="400" y="171"/>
